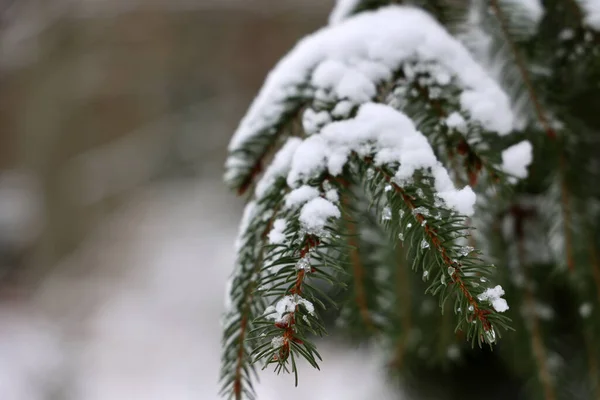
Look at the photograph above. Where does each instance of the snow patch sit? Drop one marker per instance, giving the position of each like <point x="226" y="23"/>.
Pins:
<point x="516" y="159"/>
<point x="276" y="236"/>
<point x="456" y="121"/>
<point x="494" y="297"/>
<point x="592" y="13"/>
<point x="301" y="195"/>
<point x="286" y="305"/>
<point x="279" y="167"/>
<point x="315" y="213"/>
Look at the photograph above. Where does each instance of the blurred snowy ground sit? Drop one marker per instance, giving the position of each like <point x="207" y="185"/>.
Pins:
<point x="134" y="314"/>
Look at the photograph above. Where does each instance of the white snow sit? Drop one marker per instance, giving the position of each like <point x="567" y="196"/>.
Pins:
<point x="279" y="167"/>
<point x="592" y="13"/>
<point x="308" y="305"/>
<point x="355" y="87"/>
<point x="301" y="195"/>
<point x="277" y="342"/>
<point x="332" y="195"/>
<point x="389" y="136"/>
<point x="315" y="213"/>
<point x="309" y="159"/>
<point x="281" y="310"/>
<point x="494" y="296"/>
<point x="345" y="61"/>
<point x="287" y="304"/>
<point x="276" y="236"/>
<point x="533" y="9"/>
<point x="342" y="109"/>
<point x="341" y="10"/>
<point x="516" y="159"/>
<point x="312" y="120"/>
<point x="247" y="216"/>
<point x="456" y="121"/>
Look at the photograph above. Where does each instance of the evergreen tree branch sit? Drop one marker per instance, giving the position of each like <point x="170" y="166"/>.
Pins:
<point x="550" y="132"/>
<point x="455" y="140"/>
<point x="461" y="273"/>
<point x="520" y="63"/>
<point x="256" y="151"/>
<point x="236" y="366"/>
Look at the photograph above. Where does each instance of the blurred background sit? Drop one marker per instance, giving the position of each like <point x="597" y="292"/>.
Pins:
<point x="116" y="233"/>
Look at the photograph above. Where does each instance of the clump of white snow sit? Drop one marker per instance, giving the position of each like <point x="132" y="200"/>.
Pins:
<point x="315" y="213"/>
<point x="277" y="342"/>
<point x="286" y="305"/>
<point x="342" y="109"/>
<point x="517" y="158"/>
<point x="494" y="296"/>
<point x="301" y="195"/>
<point x="456" y="121"/>
<point x="312" y="120"/>
<point x="279" y="167"/>
<point x="277" y="235"/>
<point x="592" y="13"/>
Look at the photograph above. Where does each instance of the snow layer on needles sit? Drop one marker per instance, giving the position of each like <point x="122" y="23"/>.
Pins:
<point x="349" y="58"/>
<point x="390" y="136"/>
<point x="301" y="195"/>
<point x="315" y="213"/>
<point x="277" y="235"/>
<point x="279" y="167"/>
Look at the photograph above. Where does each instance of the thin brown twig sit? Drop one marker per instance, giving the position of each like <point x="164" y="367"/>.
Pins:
<point x="359" y="276"/>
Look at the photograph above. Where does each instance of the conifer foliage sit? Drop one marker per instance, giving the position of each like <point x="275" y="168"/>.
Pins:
<point x="400" y="137"/>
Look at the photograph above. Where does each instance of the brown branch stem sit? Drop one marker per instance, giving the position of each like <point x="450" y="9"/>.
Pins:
<point x="359" y="276"/>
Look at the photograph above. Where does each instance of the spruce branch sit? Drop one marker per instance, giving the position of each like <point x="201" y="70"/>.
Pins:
<point x="298" y="238"/>
<point x="520" y="64"/>
<point x="432" y="102"/>
<point x="440" y="236"/>
<point x="239" y="319"/>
